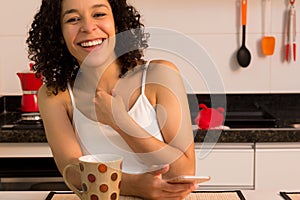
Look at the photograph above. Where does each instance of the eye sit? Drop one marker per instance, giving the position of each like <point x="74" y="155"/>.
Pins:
<point x="99" y="15"/>
<point x="73" y="20"/>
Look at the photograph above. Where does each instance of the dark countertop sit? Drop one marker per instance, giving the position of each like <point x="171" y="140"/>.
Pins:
<point x="249" y="135"/>
<point x="285" y="107"/>
<point x="22" y="136"/>
<point x="224" y="136"/>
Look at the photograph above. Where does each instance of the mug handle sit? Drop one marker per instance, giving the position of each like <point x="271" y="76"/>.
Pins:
<point x="69" y="184"/>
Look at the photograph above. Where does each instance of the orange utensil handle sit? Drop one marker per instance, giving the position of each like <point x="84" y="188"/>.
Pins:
<point x="244" y="12"/>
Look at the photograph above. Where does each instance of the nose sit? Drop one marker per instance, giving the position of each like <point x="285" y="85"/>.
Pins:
<point x="88" y="25"/>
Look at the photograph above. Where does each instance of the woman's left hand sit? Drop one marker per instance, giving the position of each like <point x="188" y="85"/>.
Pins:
<point x="152" y="186"/>
<point x="166" y="190"/>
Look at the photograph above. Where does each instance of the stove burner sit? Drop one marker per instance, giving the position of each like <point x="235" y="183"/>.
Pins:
<point x="31" y="117"/>
<point x="25" y="121"/>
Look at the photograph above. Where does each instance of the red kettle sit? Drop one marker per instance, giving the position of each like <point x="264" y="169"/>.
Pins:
<point x="30" y="86"/>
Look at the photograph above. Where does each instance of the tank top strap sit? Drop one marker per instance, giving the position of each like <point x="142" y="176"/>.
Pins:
<point x="71" y="95"/>
<point x="144" y="76"/>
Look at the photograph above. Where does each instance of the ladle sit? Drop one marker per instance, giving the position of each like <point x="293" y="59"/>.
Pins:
<point x="243" y="54"/>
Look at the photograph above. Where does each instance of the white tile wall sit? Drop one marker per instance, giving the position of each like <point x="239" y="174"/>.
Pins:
<point x="216" y="26"/>
<point x="213" y="24"/>
<point x="15" y="18"/>
<point x="13" y="59"/>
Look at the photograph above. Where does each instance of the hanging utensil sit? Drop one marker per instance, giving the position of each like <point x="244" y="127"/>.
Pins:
<point x="290" y="51"/>
<point x="243" y="54"/>
<point x="267" y="42"/>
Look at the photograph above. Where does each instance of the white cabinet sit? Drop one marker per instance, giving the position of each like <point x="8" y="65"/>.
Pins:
<point x="231" y="166"/>
<point x="278" y="166"/>
<point x="18" y="150"/>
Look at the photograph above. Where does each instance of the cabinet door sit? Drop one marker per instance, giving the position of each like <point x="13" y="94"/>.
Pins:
<point x="230" y="166"/>
<point x="19" y="150"/>
<point x="278" y="166"/>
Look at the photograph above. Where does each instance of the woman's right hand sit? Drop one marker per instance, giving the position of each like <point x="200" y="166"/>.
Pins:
<point x="110" y="108"/>
<point x="151" y="186"/>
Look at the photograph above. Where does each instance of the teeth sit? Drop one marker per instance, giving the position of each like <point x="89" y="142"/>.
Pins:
<point x="91" y="43"/>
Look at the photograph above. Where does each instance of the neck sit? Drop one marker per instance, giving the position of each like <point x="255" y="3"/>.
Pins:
<point x="110" y="76"/>
<point x="93" y="76"/>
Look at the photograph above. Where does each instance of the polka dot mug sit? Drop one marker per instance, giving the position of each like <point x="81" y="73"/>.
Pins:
<point x="100" y="176"/>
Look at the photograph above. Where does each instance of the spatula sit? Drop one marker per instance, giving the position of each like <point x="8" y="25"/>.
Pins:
<point x="267" y="42"/>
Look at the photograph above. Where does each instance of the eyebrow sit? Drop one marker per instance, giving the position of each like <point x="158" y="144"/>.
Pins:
<point x="75" y="10"/>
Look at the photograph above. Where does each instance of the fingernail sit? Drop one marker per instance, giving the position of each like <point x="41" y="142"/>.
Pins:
<point x="196" y="185"/>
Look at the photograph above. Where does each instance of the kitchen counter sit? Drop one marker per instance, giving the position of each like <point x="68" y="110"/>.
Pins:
<point x="23" y="136"/>
<point x="34" y="140"/>
<point x="254" y="135"/>
<point x="285" y="108"/>
<point x="221" y="136"/>
<point x="41" y="195"/>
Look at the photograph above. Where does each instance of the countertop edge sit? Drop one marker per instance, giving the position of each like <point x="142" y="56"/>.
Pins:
<point x="212" y="136"/>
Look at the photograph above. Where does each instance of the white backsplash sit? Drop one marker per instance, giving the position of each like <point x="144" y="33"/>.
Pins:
<point x="213" y="24"/>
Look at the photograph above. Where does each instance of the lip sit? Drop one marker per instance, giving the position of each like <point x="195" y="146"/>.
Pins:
<point x="88" y="49"/>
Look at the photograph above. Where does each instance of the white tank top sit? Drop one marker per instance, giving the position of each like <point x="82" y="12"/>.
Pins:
<point x="97" y="138"/>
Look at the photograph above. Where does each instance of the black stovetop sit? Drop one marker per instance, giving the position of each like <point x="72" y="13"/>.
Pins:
<point x="17" y="120"/>
<point x="250" y="119"/>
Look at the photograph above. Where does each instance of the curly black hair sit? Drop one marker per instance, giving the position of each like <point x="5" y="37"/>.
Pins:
<point x="54" y="62"/>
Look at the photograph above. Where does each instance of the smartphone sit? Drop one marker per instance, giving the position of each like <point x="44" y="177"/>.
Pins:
<point x="189" y="179"/>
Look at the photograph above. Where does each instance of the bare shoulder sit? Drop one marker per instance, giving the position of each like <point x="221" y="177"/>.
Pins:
<point x="47" y="100"/>
<point x="163" y="63"/>
<point x="43" y="92"/>
<point x="45" y="95"/>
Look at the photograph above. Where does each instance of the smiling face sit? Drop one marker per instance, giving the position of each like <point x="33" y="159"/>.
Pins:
<point x="88" y="25"/>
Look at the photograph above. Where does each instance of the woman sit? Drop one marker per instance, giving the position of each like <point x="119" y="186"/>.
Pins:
<point x="63" y="39"/>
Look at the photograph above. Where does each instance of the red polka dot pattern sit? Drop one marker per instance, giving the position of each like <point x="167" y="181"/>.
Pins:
<point x="102" y="168"/>
<point x="113" y="196"/>
<point x="91" y="178"/>
<point x="114" y="176"/>
<point x="103" y="188"/>
<point x="94" y="197"/>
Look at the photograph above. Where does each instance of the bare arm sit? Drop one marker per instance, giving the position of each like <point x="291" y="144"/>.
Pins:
<point x="173" y="116"/>
<point x="56" y="112"/>
<point x="58" y="128"/>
